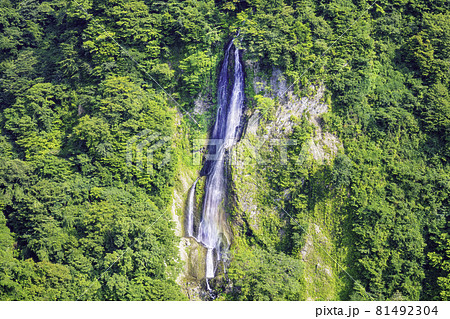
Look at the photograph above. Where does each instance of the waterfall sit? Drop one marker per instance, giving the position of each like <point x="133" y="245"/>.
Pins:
<point x="209" y="263"/>
<point x="190" y="211"/>
<point x="224" y="135"/>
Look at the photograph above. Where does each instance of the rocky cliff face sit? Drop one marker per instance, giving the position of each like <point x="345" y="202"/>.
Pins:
<point x="260" y="135"/>
<point x="247" y="216"/>
<point x="251" y="159"/>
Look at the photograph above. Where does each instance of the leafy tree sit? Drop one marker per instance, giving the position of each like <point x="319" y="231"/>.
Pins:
<point x="265" y="275"/>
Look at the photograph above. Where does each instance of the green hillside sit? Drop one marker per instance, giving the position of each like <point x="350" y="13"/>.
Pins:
<point x="87" y="214"/>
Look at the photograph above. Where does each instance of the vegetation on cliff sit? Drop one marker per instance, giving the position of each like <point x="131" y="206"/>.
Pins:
<point x="81" y="79"/>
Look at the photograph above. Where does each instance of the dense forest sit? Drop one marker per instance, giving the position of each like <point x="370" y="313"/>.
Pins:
<point x="79" y="79"/>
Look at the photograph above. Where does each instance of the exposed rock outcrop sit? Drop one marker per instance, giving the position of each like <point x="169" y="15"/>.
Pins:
<point x="246" y="169"/>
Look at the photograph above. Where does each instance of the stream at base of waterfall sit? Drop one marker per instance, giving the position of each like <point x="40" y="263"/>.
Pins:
<point x="223" y="137"/>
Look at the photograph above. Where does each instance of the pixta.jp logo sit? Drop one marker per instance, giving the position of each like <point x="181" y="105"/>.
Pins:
<point x="148" y="150"/>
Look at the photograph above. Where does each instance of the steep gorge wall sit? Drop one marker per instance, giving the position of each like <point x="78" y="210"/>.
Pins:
<point x="252" y="159"/>
<point x="247" y="215"/>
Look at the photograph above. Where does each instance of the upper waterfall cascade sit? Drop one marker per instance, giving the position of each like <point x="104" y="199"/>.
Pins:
<point x="223" y="136"/>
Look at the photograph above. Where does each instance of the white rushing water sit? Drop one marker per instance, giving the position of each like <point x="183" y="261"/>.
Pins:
<point x="225" y="135"/>
<point x="190" y="210"/>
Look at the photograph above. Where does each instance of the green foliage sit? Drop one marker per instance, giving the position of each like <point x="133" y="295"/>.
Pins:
<point x="266" y="106"/>
<point x="71" y="99"/>
<point x="197" y="69"/>
<point x="77" y="221"/>
<point x="273" y="34"/>
<point x="387" y="71"/>
<point x="265" y="275"/>
<point x="440" y="261"/>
